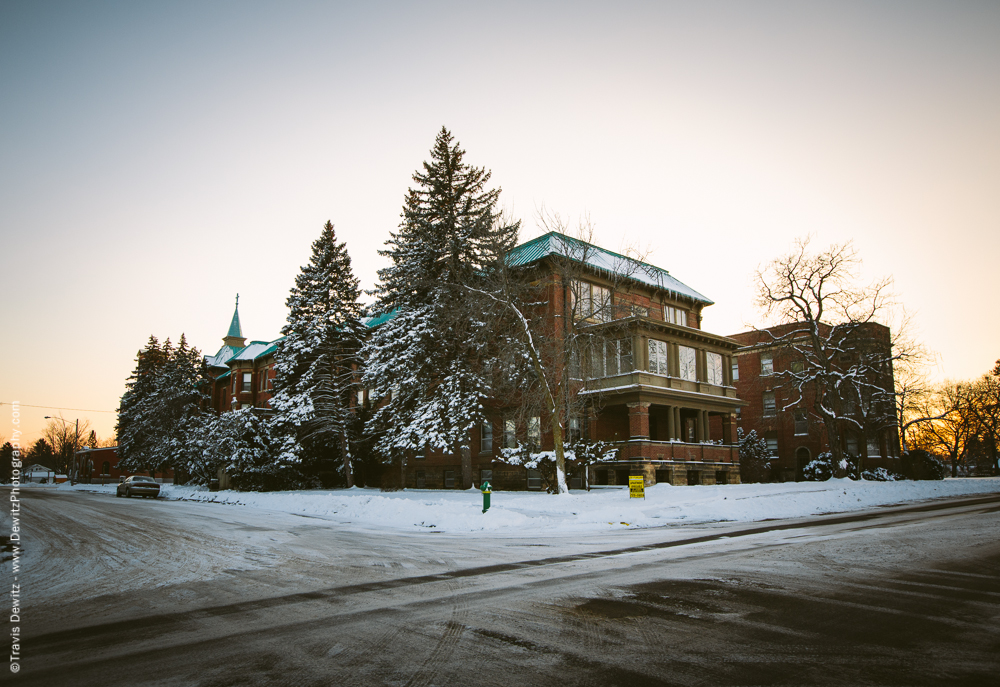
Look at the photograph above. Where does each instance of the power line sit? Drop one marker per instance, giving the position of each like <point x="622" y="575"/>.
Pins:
<point x="79" y="410"/>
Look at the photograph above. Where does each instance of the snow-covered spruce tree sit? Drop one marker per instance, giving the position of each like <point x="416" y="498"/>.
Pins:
<point x="316" y="362"/>
<point x="163" y="396"/>
<point x="136" y="437"/>
<point x="431" y="361"/>
<point x="239" y="443"/>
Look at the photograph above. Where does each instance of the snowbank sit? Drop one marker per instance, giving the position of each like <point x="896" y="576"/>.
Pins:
<point x="602" y="508"/>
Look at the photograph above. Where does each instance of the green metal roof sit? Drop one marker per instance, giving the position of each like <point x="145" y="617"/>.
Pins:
<point x="375" y="321"/>
<point x="600" y="259"/>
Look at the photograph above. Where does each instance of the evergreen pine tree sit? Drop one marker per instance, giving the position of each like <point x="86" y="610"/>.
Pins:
<point x="431" y="359"/>
<point x="316" y="361"/>
<point x="7" y="463"/>
<point x="180" y="396"/>
<point x="136" y="436"/>
<point x="164" y="392"/>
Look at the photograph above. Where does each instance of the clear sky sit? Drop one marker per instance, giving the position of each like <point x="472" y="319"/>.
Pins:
<point x="158" y="158"/>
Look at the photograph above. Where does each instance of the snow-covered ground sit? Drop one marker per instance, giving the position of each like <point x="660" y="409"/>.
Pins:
<point x="602" y="508"/>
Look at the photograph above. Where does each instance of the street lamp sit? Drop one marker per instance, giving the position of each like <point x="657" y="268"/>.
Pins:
<point x="76" y="442"/>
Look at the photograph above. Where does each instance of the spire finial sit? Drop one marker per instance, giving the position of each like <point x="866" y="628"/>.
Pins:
<point x="235" y="335"/>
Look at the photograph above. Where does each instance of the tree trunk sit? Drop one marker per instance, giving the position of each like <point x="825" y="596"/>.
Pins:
<point x="560" y="449"/>
<point x="466" y="453"/>
<point x="345" y="451"/>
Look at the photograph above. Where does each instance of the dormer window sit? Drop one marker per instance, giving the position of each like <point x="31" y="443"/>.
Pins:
<point x="675" y="315"/>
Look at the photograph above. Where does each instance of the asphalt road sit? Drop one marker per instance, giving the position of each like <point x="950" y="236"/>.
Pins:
<point x="123" y="592"/>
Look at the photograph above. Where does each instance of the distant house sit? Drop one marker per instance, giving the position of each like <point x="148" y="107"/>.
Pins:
<point x="100" y="466"/>
<point x="795" y="434"/>
<point x="41" y="474"/>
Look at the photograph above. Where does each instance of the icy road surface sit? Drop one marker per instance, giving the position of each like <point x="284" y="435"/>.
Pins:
<point x="133" y="592"/>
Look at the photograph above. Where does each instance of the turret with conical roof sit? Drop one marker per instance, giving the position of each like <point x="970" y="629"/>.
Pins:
<point x="235" y="336"/>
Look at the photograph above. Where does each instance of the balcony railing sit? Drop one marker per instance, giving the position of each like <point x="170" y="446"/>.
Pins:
<point x="649" y="379"/>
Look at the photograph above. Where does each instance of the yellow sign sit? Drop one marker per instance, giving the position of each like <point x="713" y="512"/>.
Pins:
<point x="636" y="487"/>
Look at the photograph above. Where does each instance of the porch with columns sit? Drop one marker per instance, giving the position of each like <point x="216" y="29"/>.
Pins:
<point x="659" y="422"/>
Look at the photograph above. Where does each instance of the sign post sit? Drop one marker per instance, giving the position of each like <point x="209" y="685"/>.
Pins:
<point x="636" y="487"/>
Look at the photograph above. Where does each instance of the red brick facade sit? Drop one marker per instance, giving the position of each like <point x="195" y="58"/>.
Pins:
<point x="797" y="435"/>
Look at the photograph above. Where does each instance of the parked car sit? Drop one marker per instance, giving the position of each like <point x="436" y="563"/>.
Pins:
<point x="138" y="485"/>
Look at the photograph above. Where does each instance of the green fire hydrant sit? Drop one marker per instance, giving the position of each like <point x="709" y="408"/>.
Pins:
<point x="485" y="488"/>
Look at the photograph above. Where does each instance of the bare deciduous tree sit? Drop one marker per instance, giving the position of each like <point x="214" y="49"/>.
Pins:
<point x="558" y="337"/>
<point x="846" y="362"/>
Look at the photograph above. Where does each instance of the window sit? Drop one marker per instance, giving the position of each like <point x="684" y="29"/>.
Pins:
<point x="234" y="384"/>
<point x="575" y="433"/>
<point x="713" y="368"/>
<point x="873" y="447"/>
<point x="247" y="381"/>
<point x="658" y="357"/>
<point x="797" y="366"/>
<point x="449" y="479"/>
<point x="421" y="479"/>
<point x="675" y="315"/>
<point x="485" y="476"/>
<point x="535" y="431"/>
<point x="509" y="434"/>
<point x="769" y="405"/>
<point x="766" y="364"/>
<point x="772" y="442"/>
<point x="534" y="479"/>
<point x="801" y="422"/>
<point x="105" y="468"/>
<point x="575" y="369"/>
<point x="609" y="358"/>
<point x="852" y="444"/>
<point x="687" y="367"/>
<point x="360" y="396"/>
<point x="262" y="382"/>
<point x="486" y="437"/>
<point x="736" y="370"/>
<point x="591" y="301"/>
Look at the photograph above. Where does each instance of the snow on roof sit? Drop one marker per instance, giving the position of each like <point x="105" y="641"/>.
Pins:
<point x="257" y="349"/>
<point x="252" y="351"/>
<point x="224" y="355"/>
<point x="600" y="259"/>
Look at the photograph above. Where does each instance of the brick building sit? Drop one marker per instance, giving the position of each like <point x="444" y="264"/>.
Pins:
<point x="243" y="374"/>
<point x="796" y="434"/>
<point x="100" y="466"/>
<point x="660" y="388"/>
